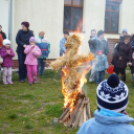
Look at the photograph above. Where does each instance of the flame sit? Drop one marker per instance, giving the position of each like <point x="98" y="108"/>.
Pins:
<point x="71" y="97"/>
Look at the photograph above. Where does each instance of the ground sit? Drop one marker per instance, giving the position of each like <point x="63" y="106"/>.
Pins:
<point x="26" y="109"/>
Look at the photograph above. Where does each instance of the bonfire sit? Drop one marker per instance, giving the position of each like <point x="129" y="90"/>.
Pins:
<point x="74" y="66"/>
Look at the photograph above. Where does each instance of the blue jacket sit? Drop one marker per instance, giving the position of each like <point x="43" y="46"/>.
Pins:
<point x="108" y="123"/>
<point x="101" y="63"/>
<point x="62" y="47"/>
<point x="44" y="45"/>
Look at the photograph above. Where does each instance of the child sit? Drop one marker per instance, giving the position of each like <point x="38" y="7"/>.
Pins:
<point x="32" y="53"/>
<point x="44" y="45"/>
<point x="101" y="66"/>
<point x="112" y="100"/>
<point x="131" y="64"/>
<point x="7" y="54"/>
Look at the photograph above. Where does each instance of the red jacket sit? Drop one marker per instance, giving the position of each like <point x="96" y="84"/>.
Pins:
<point x="1" y="41"/>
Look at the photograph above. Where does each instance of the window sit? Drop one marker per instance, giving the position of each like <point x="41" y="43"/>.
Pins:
<point x="73" y="12"/>
<point x="112" y="16"/>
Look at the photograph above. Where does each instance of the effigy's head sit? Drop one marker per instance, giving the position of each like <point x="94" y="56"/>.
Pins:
<point x="73" y="41"/>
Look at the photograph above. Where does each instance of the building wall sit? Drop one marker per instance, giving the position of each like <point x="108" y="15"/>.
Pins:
<point x="47" y="15"/>
<point x="4" y="15"/>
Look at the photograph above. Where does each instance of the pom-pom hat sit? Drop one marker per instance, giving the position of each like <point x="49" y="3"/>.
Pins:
<point x="112" y="94"/>
<point x="6" y="41"/>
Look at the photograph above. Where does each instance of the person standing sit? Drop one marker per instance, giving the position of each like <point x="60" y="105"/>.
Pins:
<point x="1" y="41"/>
<point x="98" y="44"/>
<point x="63" y="42"/>
<point x="2" y="33"/>
<point x="93" y="35"/>
<point x="22" y="40"/>
<point x="7" y="54"/>
<point x="32" y="52"/>
<point x="44" y="46"/>
<point x="121" y="57"/>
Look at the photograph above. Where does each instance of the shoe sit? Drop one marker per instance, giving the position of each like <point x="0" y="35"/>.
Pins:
<point x="30" y="83"/>
<point x="35" y="82"/>
<point x="5" y="83"/>
<point x="25" y="80"/>
<point x="10" y="82"/>
<point x="21" y="81"/>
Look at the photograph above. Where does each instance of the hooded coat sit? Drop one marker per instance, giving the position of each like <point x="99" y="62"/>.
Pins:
<point x="125" y="51"/>
<point x="112" y="123"/>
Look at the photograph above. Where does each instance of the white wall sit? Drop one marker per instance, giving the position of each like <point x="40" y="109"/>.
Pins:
<point x="44" y="15"/>
<point x="4" y="15"/>
<point x="47" y="15"/>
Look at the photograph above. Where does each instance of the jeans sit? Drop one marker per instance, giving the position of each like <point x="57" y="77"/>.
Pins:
<point x="32" y="73"/>
<point x="22" y="66"/>
<point x="133" y="79"/>
<point x="99" y="76"/>
<point x="41" y="66"/>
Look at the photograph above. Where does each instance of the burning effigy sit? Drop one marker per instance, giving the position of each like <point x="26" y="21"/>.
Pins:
<point x="74" y="66"/>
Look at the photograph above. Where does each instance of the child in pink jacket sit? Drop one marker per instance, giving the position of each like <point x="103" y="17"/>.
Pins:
<point x="32" y="53"/>
<point x="7" y="54"/>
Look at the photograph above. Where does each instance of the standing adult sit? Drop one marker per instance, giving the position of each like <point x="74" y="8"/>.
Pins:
<point x="121" y="57"/>
<point x="22" y="40"/>
<point x="2" y="33"/>
<point x="123" y="34"/>
<point x="132" y="42"/>
<point x="92" y="36"/>
<point x="98" y="44"/>
<point x="44" y="45"/>
<point x="1" y="41"/>
<point x="63" y="42"/>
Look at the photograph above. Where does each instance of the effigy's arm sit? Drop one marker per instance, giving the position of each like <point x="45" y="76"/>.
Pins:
<point x="60" y="62"/>
<point x="84" y="58"/>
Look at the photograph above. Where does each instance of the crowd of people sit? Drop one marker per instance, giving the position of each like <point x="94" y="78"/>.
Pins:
<point x="112" y="94"/>
<point x="32" y="53"/>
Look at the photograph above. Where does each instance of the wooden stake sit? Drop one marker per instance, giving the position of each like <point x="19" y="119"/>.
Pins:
<point x="85" y="114"/>
<point x="65" y="118"/>
<point x="74" y="112"/>
<point x="64" y="113"/>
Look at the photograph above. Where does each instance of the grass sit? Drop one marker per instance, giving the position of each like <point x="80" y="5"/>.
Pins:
<point x="32" y="109"/>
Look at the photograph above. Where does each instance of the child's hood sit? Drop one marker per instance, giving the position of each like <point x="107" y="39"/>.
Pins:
<point x="116" y="119"/>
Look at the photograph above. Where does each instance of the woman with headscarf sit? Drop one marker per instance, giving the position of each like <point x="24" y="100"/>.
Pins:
<point x="22" y="40"/>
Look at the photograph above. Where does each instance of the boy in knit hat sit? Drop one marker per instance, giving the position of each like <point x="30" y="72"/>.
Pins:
<point x="110" y="118"/>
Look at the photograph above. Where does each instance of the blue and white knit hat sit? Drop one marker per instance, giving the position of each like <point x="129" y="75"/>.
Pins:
<point x="112" y="94"/>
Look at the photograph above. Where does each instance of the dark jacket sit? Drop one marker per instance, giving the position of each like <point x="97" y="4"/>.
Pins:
<point x="22" y="38"/>
<point x="99" y="45"/>
<point x="132" y="43"/>
<point x="3" y="35"/>
<point x="125" y="52"/>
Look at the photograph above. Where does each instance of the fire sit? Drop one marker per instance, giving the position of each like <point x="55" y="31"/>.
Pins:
<point x="71" y="97"/>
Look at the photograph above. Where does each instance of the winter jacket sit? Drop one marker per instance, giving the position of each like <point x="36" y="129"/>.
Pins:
<point x="62" y="47"/>
<point x="91" y="41"/>
<point x="1" y="41"/>
<point x="31" y="58"/>
<point x="112" y="123"/>
<point x="44" y="46"/>
<point x="132" y="43"/>
<point x="122" y="50"/>
<point x="22" y="38"/>
<point x="99" y="45"/>
<point x="7" y="59"/>
<point x="3" y="35"/>
<point x="101" y="63"/>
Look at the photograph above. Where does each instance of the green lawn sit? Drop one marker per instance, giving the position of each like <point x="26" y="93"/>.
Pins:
<point x="28" y="109"/>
